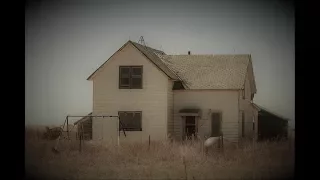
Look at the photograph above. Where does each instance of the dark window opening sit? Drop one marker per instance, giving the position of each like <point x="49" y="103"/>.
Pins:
<point x="190" y="126"/>
<point x="131" y="120"/>
<point x="177" y="85"/>
<point x="130" y="77"/>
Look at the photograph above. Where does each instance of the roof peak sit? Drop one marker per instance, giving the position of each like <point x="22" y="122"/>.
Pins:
<point x="135" y="43"/>
<point x="208" y="55"/>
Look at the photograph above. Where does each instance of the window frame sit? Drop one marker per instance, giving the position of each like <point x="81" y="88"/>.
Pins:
<point x="131" y="76"/>
<point x="130" y="129"/>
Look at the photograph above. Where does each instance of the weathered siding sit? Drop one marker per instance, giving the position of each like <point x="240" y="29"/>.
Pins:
<point x="252" y="78"/>
<point x="108" y="99"/>
<point x="224" y="101"/>
<point x="247" y="108"/>
<point x="170" y="108"/>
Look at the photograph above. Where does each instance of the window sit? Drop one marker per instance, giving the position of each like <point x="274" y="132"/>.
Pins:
<point x="131" y="120"/>
<point x="243" y="94"/>
<point x="130" y="77"/>
<point x="243" y="125"/>
<point x="253" y="123"/>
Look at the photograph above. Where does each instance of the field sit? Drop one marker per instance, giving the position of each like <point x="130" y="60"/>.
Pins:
<point x="162" y="160"/>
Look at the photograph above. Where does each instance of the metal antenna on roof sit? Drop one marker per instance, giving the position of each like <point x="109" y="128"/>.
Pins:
<point x="161" y="48"/>
<point x="141" y="41"/>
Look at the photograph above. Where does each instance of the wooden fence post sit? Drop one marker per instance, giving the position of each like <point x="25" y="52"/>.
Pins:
<point x="149" y="143"/>
<point x="80" y="142"/>
<point x="68" y="127"/>
<point x="222" y="142"/>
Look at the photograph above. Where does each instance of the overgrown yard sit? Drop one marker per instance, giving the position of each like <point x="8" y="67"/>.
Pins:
<point x="162" y="160"/>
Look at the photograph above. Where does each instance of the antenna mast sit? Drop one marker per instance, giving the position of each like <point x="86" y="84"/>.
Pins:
<point x="141" y="41"/>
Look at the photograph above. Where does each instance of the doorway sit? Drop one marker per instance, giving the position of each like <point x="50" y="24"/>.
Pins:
<point x="190" y="126"/>
<point x="215" y="124"/>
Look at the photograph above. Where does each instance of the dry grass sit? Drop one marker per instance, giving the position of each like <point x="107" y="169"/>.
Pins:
<point x="162" y="160"/>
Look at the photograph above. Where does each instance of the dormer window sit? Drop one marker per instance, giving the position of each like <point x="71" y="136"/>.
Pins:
<point x="130" y="77"/>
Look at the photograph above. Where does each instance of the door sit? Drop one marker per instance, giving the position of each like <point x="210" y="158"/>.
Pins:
<point x="190" y="127"/>
<point x="215" y="124"/>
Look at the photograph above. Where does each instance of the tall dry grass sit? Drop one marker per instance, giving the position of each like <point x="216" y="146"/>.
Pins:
<point x="160" y="160"/>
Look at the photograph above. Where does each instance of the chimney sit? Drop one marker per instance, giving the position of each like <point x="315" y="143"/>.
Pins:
<point x="189" y="52"/>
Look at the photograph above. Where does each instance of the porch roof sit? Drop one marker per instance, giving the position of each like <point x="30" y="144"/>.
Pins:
<point x="189" y="112"/>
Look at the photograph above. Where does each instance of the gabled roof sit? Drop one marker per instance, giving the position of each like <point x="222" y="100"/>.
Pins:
<point x="151" y="54"/>
<point x="264" y="111"/>
<point x="209" y="71"/>
<point x="256" y="106"/>
<point x="198" y="71"/>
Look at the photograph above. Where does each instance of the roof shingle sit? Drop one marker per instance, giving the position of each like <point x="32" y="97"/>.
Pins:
<point x="199" y="71"/>
<point x="209" y="71"/>
<point x="153" y="55"/>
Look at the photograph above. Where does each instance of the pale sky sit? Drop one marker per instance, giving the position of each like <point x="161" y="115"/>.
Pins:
<point x="65" y="41"/>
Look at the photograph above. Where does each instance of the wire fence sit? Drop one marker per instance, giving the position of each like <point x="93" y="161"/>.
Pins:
<point x="228" y="132"/>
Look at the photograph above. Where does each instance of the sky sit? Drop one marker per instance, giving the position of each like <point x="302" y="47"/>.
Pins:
<point x="66" y="41"/>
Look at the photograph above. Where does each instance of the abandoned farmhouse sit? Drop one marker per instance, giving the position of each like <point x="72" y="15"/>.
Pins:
<point x="160" y="95"/>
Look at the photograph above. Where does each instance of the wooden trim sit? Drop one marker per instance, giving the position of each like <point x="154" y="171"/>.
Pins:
<point x="176" y="76"/>
<point x="245" y="78"/>
<point x="189" y="114"/>
<point x="120" y="77"/>
<point x="92" y="75"/>
<point x="253" y="77"/>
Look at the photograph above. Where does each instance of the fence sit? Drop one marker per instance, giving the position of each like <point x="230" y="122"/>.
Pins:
<point x="233" y="132"/>
<point x="72" y="126"/>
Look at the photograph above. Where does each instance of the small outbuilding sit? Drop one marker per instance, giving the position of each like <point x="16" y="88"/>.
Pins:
<point x="271" y="126"/>
<point x="85" y="124"/>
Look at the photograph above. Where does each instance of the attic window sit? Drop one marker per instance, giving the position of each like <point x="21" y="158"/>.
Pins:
<point x="130" y="77"/>
<point x="177" y="85"/>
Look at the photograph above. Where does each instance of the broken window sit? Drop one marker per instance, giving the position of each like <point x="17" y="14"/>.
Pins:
<point x="131" y="120"/>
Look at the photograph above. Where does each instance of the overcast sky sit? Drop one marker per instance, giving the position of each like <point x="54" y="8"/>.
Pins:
<point x="65" y="41"/>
